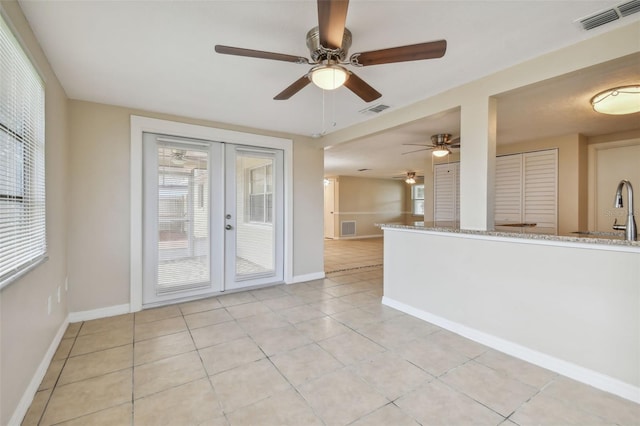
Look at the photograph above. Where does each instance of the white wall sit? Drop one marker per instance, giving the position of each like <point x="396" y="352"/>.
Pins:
<point x="568" y="307"/>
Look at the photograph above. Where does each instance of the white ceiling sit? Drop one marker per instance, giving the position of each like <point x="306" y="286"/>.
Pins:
<point x="158" y="56"/>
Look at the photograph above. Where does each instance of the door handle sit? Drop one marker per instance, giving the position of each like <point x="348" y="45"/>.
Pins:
<point x="228" y="227"/>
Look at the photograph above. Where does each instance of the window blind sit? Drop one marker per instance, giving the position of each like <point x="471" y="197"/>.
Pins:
<point x="22" y="158"/>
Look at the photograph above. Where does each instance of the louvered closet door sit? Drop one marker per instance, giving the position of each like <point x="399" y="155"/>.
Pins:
<point x="541" y="187"/>
<point x="445" y="192"/>
<point x="508" y="195"/>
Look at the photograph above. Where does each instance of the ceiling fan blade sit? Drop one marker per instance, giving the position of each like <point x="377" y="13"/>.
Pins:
<point x="417" y="150"/>
<point x="294" y="88"/>
<point x="238" y="51"/>
<point x="455" y="145"/>
<point x="332" y="16"/>
<point x="361" y="88"/>
<point x="413" y="52"/>
<point x="416" y="144"/>
<point x="455" y="142"/>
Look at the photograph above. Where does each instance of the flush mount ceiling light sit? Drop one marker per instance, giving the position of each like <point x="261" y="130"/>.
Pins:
<point x="441" y="151"/>
<point x="618" y="100"/>
<point x="329" y="77"/>
<point x="411" y="178"/>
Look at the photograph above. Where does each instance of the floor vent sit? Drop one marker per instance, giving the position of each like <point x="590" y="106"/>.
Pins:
<point x="610" y="15"/>
<point x="348" y="228"/>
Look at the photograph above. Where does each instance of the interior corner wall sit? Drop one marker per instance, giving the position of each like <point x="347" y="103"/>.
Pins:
<point x="27" y="330"/>
<point x="369" y="201"/>
<point x="99" y="237"/>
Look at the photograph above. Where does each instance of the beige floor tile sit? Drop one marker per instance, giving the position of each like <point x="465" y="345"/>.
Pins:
<point x="106" y="324"/>
<point x="278" y="340"/>
<point x="356" y="318"/>
<point x="594" y="401"/>
<point x="188" y="404"/>
<point x="162" y="347"/>
<point x="204" y="318"/>
<point x="332" y="306"/>
<point x="305" y="363"/>
<point x="95" y="364"/>
<point x="388" y="415"/>
<point x="453" y="342"/>
<point x="34" y="413"/>
<point x="118" y="415"/>
<point x="362" y="298"/>
<point x="72" y="330"/>
<point x="413" y="326"/>
<point x="201" y="305"/>
<point x="282" y="303"/>
<point x="155" y="314"/>
<point x="64" y="348"/>
<point x="520" y="370"/>
<point x="88" y="396"/>
<point x="248" y="384"/>
<point x="312" y="295"/>
<point x="52" y="374"/>
<point x="248" y="309"/>
<point x="437" y="404"/>
<point x="321" y="328"/>
<point x="166" y="373"/>
<point x="262" y="322"/>
<point x="161" y="327"/>
<point x="489" y="387"/>
<point x="433" y="359"/>
<point x="391" y="336"/>
<point x="283" y="409"/>
<point x="100" y="341"/>
<point x="269" y="292"/>
<point x="391" y="375"/>
<point x="216" y="334"/>
<point x="233" y="299"/>
<point x="341" y="397"/>
<point x="300" y="313"/>
<point x="544" y="410"/>
<point x="350" y="347"/>
<point x="229" y="355"/>
<point x="345" y="279"/>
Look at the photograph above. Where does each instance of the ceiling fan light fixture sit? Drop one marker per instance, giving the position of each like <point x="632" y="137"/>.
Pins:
<point x="411" y="178"/>
<point x="618" y="100"/>
<point x="441" y="151"/>
<point x="329" y="77"/>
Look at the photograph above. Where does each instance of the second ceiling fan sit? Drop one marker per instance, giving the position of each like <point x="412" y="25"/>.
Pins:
<point x="329" y="44"/>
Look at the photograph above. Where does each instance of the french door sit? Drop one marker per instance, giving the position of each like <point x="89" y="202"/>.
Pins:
<point x="212" y="217"/>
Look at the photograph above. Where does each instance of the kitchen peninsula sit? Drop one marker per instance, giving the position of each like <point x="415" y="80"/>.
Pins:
<point x="569" y="303"/>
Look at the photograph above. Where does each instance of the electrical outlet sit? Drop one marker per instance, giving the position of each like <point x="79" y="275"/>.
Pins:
<point x="58" y="294"/>
<point x="49" y="305"/>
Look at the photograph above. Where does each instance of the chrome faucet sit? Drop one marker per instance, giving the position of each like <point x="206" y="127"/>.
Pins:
<point x="631" y="233"/>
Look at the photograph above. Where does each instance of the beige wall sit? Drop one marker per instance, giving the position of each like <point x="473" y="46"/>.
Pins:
<point x="100" y="208"/>
<point x="368" y="201"/>
<point x="26" y="330"/>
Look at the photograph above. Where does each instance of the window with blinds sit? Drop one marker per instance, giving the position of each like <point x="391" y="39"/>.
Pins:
<point x="22" y="157"/>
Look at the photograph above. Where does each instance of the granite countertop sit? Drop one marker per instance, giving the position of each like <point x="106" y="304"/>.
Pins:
<point x="525" y="230"/>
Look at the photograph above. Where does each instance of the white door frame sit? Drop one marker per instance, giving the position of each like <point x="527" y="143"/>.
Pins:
<point x="139" y="125"/>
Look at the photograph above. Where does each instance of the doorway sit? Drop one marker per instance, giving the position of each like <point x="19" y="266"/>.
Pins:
<point x="212" y="217"/>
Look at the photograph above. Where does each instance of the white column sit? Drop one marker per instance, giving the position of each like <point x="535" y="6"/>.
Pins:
<point x="477" y="162"/>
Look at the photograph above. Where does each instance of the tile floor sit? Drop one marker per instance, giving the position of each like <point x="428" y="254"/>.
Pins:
<point x="324" y="352"/>
<point x="341" y="255"/>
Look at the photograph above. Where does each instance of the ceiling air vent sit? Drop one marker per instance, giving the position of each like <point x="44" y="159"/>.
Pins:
<point x="376" y="109"/>
<point x="599" y="19"/>
<point x="629" y="8"/>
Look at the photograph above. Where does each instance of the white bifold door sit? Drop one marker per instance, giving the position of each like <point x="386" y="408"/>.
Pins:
<point x="213" y="218"/>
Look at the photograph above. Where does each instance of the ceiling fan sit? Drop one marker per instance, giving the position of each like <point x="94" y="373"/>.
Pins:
<point x="410" y="177"/>
<point x="440" y="145"/>
<point x="329" y="44"/>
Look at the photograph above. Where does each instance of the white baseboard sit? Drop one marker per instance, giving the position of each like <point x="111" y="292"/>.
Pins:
<point x="358" y="237"/>
<point x="109" y="311"/>
<point x="568" y="369"/>
<point x="34" y="384"/>
<point x="306" y="277"/>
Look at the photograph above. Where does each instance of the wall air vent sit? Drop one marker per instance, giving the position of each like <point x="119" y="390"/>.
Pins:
<point x="610" y="15"/>
<point x="348" y="228"/>
<point x="629" y="8"/>
<point x="376" y="109"/>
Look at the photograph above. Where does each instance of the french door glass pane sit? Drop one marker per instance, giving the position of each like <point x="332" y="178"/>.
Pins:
<point x="183" y="219"/>
<point x="255" y="233"/>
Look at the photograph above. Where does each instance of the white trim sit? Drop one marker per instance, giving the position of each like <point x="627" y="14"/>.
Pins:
<point x="109" y="311"/>
<point x="306" y="277"/>
<point x="34" y="384"/>
<point x="568" y="369"/>
<point x="357" y="237"/>
<point x="153" y="125"/>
